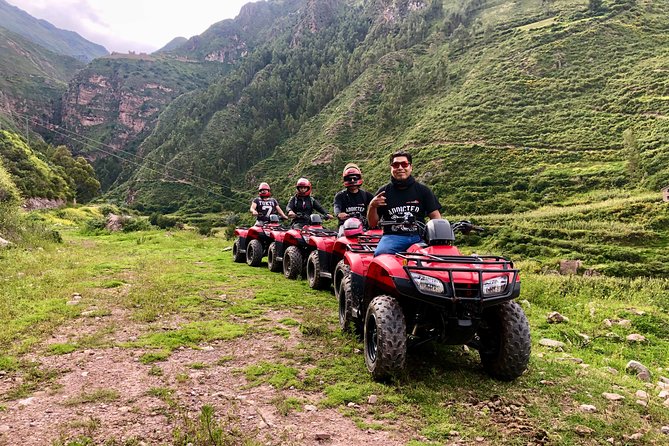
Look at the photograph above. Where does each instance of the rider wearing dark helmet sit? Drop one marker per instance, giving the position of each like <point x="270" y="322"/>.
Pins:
<point x="264" y="205"/>
<point x="353" y="199"/>
<point x="302" y="204"/>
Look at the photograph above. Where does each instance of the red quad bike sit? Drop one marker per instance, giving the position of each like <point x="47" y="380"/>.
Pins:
<point x="239" y="247"/>
<point x="299" y="242"/>
<point x="323" y="260"/>
<point x="431" y="292"/>
<point x="276" y="248"/>
<point x="246" y="234"/>
<point x="259" y="238"/>
<point x="356" y="255"/>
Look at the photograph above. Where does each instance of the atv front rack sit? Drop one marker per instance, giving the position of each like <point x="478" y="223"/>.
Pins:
<point x="485" y="267"/>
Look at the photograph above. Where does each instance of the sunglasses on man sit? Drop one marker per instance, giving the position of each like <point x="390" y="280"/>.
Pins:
<point x="351" y="178"/>
<point x="398" y="164"/>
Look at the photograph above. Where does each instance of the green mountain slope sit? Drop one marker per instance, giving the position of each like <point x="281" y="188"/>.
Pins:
<point x="510" y="108"/>
<point x="172" y="44"/>
<point x="229" y="40"/>
<point x="464" y="84"/>
<point x="32" y="79"/>
<point x="508" y="118"/>
<point x="43" y="33"/>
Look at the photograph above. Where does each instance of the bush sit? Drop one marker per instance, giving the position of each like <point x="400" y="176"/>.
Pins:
<point x="204" y="229"/>
<point x="132" y="224"/>
<point x="107" y="209"/>
<point x="162" y="221"/>
<point x="94" y="226"/>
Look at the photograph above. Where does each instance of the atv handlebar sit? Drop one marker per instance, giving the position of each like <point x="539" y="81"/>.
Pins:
<point x="465" y="227"/>
<point x="359" y="216"/>
<point x="409" y="221"/>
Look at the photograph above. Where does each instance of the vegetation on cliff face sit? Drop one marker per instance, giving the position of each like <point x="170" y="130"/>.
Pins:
<point x="16" y="227"/>
<point x="9" y="193"/>
<point x="114" y="103"/>
<point x="51" y="172"/>
<point x="32" y="79"/>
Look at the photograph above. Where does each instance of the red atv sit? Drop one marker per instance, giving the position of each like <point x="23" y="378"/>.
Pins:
<point x="356" y="255"/>
<point x="434" y="293"/>
<point x="259" y="238"/>
<point x="252" y="242"/>
<point x="300" y="241"/>
<point x="276" y="248"/>
<point x="323" y="260"/>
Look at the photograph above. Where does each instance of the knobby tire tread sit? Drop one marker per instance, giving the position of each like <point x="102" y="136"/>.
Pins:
<point x="391" y="345"/>
<point x="507" y="342"/>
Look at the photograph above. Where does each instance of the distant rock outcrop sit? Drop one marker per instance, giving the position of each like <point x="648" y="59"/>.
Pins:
<point x="33" y="204"/>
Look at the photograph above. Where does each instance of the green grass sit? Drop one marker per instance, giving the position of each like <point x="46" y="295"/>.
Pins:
<point x="62" y="349"/>
<point x="96" y="396"/>
<point x="443" y="395"/>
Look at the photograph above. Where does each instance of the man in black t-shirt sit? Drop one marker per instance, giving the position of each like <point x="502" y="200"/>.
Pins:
<point x="353" y="200"/>
<point x="403" y="195"/>
<point x="264" y="205"/>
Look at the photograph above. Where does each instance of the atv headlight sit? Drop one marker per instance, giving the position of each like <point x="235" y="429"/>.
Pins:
<point x="427" y="284"/>
<point x="495" y="286"/>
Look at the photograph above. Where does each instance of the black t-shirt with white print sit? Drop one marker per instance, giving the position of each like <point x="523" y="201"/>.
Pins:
<point x="417" y="199"/>
<point x="350" y="203"/>
<point x="265" y="207"/>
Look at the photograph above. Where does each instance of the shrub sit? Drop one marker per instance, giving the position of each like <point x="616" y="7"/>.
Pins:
<point x="94" y="226"/>
<point x="162" y="221"/>
<point x="132" y="224"/>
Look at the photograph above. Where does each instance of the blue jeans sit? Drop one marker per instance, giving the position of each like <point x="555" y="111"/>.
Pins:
<point x="392" y="243"/>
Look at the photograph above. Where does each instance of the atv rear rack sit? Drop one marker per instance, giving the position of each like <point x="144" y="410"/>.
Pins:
<point x="486" y="267"/>
<point x="364" y="243"/>
<point x="319" y="232"/>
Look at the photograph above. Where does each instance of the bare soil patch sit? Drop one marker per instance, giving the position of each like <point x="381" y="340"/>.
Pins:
<point x="107" y="394"/>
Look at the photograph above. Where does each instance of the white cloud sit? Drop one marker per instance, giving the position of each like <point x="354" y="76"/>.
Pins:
<point x="132" y="25"/>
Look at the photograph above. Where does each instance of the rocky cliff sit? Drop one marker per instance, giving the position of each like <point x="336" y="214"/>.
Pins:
<point x="116" y="101"/>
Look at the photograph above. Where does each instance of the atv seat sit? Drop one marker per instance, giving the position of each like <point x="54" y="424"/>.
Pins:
<point x="439" y="232"/>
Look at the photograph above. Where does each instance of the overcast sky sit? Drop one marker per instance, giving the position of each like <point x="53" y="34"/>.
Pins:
<point x="132" y="25"/>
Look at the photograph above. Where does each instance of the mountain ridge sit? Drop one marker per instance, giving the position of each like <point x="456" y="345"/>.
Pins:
<point x="47" y="35"/>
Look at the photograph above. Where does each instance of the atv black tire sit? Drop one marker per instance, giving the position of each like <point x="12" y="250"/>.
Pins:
<point x="272" y="263"/>
<point x="505" y="341"/>
<point x="314" y="270"/>
<point x="385" y="337"/>
<point x="341" y="270"/>
<point x="292" y="263"/>
<point x="254" y="252"/>
<point x="347" y="322"/>
<point x="237" y="254"/>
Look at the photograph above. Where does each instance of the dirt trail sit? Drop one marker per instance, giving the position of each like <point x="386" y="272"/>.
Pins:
<point x="108" y="395"/>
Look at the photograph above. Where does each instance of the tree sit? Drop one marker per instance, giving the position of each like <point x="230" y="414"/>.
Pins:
<point x="594" y="6"/>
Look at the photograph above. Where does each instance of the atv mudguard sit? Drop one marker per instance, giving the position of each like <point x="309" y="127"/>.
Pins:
<point x="241" y="232"/>
<point x="253" y="233"/>
<point x="379" y="276"/>
<point x="292" y="238"/>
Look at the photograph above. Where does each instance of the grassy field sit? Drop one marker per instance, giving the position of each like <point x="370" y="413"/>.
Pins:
<point x="183" y="290"/>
